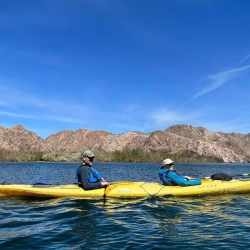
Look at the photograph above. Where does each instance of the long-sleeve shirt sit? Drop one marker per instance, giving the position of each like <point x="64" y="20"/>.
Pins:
<point x="83" y="178"/>
<point x="176" y="179"/>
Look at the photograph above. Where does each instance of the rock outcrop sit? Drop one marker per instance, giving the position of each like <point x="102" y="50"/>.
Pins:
<point x="231" y="147"/>
<point x="17" y="138"/>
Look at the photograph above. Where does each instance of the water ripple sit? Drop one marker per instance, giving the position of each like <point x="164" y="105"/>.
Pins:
<point x="217" y="222"/>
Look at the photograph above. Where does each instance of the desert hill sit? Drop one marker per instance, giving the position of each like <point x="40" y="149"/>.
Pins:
<point x="179" y="139"/>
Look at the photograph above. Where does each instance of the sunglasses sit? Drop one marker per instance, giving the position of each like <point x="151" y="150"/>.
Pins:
<point x="170" y="165"/>
<point x="91" y="158"/>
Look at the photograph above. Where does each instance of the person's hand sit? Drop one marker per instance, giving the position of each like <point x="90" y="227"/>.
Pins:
<point x="104" y="183"/>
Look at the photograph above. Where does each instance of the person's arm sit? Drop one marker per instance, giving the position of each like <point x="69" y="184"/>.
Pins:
<point x="85" y="184"/>
<point x="181" y="181"/>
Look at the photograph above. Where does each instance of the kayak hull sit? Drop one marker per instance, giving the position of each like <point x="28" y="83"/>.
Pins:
<point x="127" y="190"/>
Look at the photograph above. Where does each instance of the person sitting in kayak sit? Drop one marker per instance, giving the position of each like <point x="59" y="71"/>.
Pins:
<point x="170" y="177"/>
<point x="89" y="177"/>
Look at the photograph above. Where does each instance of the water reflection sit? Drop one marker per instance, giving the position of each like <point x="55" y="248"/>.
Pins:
<point x="200" y="218"/>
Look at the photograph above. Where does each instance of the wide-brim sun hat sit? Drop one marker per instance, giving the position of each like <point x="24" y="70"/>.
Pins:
<point x="167" y="162"/>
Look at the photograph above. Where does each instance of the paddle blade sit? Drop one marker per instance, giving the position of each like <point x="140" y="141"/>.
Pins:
<point x="109" y="188"/>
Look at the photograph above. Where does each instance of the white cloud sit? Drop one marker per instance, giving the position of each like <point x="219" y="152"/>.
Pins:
<point x="19" y="104"/>
<point x="233" y="125"/>
<point x="63" y="119"/>
<point x="218" y="80"/>
<point x="12" y="97"/>
<point x="42" y="117"/>
<point x="165" y="117"/>
<point x="3" y="113"/>
<point x="226" y="127"/>
<point x="244" y="59"/>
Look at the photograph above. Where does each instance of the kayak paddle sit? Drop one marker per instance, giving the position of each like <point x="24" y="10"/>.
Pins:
<point x="108" y="189"/>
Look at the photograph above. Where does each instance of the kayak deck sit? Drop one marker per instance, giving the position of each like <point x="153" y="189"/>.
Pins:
<point x="127" y="190"/>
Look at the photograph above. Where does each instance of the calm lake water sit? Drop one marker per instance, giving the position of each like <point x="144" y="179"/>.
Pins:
<point x="219" y="222"/>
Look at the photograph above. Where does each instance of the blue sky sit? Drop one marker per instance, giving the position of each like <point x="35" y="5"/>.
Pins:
<point x="124" y="65"/>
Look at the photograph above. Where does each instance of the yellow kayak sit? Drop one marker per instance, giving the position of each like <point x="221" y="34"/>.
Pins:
<point x="127" y="190"/>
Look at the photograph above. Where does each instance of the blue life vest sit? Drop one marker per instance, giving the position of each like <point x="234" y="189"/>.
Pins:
<point x="163" y="174"/>
<point x="94" y="175"/>
<point x="163" y="177"/>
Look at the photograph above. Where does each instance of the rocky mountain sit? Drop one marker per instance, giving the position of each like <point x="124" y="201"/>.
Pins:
<point x="231" y="147"/>
<point x="17" y="138"/>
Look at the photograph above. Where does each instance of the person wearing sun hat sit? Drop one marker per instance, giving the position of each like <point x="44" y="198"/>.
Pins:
<point x="170" y="177"/>
<point x="88" y="177"/>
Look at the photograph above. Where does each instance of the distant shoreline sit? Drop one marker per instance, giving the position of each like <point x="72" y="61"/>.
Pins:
<point x="126" y="155"/>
